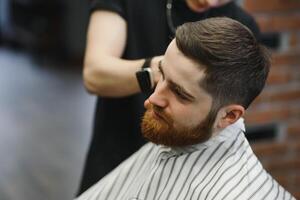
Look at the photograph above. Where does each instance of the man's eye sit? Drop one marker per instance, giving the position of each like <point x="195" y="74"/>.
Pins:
<point x="179" y="94"/>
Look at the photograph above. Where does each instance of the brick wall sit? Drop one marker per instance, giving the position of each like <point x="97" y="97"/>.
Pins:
<point x="280" y="100"/>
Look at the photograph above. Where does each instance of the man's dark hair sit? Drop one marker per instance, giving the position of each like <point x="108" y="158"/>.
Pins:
<point x="236" y="65"/>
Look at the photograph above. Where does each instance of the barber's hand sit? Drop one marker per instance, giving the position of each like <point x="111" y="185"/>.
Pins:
<point x="203" y="5"/>
<point x="154" y="66"/>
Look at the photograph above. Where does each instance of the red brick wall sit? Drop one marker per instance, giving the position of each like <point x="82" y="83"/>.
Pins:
<point x="280" y="100"/>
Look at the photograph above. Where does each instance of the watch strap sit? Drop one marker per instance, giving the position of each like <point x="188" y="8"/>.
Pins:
<point x="147" y="63"/>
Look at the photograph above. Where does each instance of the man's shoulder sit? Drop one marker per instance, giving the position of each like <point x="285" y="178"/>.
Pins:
<point x="236" y="177"/>
<point x="235" y="174"/>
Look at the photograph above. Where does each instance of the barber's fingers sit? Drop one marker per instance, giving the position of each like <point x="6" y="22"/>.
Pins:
<point x="155" y="68"/>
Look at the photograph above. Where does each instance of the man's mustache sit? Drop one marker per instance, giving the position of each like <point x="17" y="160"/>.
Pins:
<point x="160" y="112"/>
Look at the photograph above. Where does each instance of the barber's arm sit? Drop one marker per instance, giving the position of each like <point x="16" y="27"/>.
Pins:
<point x="105" y="73"/>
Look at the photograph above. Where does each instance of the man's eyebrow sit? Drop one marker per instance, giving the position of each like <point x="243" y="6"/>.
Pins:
<point x="181" y="90"/>
<point x="175" y="85"/>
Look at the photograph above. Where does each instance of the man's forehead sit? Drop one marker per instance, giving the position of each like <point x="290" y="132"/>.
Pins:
<point x="172" y="48"/>
<point x="178" y="64"/>
<point x="182" y="70"/>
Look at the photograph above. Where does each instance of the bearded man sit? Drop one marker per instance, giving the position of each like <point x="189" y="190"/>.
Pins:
<point x="210" y="74"/>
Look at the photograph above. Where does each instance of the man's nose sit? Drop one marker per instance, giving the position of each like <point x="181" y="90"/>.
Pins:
<point x="159" y="96"/>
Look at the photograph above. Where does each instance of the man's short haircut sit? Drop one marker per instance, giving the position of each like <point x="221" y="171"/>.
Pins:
<point x="235" y="64"/>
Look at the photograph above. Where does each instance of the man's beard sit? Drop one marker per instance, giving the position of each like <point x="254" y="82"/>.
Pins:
<point x="162" y="130"/>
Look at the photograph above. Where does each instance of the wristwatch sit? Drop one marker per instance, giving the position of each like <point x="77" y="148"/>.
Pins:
<point x="145" y="78"/>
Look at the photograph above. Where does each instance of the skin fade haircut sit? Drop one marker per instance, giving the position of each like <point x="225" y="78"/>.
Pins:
<point x="236" y="65"/>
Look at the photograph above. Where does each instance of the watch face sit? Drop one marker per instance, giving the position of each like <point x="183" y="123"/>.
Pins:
<point x="144" y="81"/>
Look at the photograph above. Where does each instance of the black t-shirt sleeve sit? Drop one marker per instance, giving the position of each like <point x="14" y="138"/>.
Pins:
<point x="109" y="5"/>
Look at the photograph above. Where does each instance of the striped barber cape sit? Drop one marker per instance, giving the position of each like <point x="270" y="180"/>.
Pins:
<point x="224" y="167"/>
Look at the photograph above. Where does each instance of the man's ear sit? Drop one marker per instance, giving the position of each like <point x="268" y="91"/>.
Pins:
<point x="229" y="115"/>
